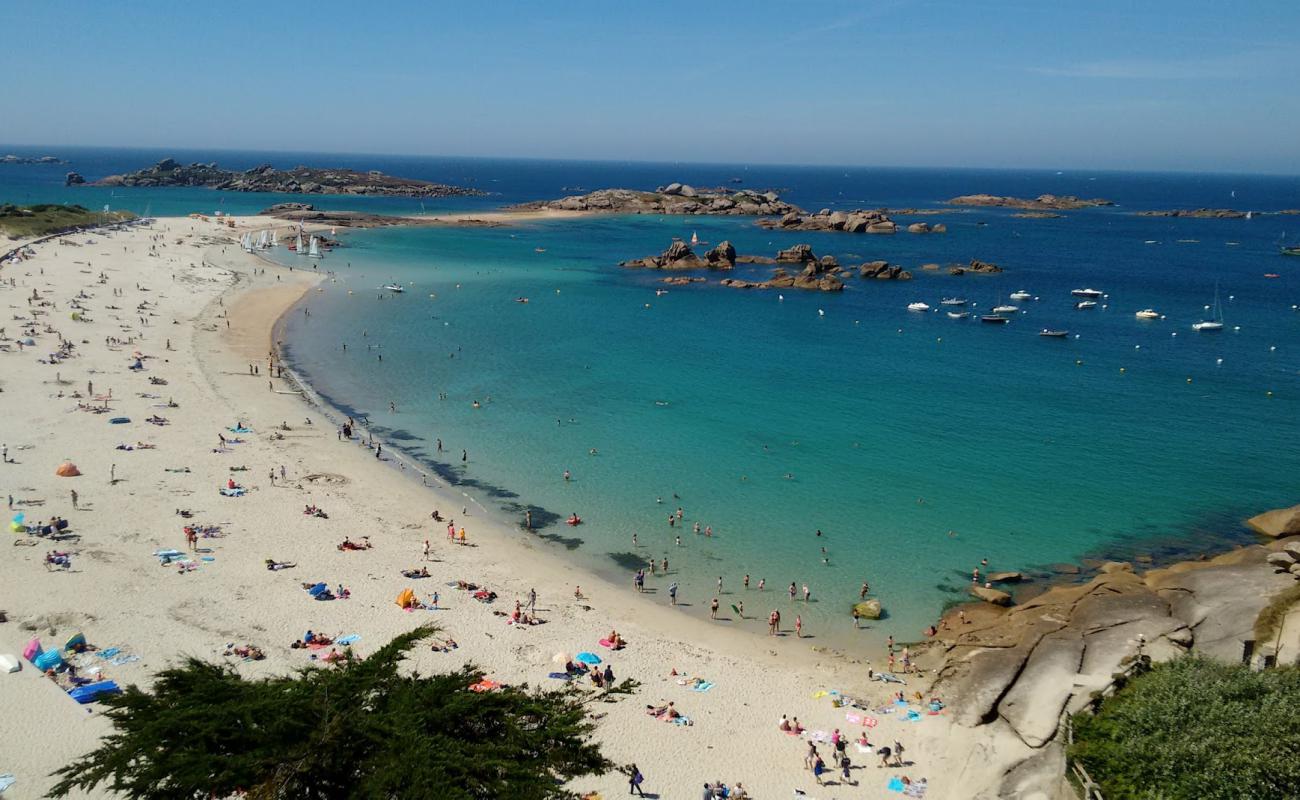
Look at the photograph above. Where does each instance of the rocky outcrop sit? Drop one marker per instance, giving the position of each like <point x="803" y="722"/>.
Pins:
<point x="280" y="208"/>
<point x="1278" y="522"/>
<point x="73" y="179"/>
<point x="975" y="265"/>
<point x="797" y="254"/>
<point x="868" y="609"/>
<point x="1198" y="213"/>
<point x="883" y="271"/>
<point x="722" y="255"/>
<point x="1043" y="202"/>
<point x="298" y="180"/>
<point x="925" y="227"/>
<point x="1037" y="215"/>
<point x="13" y="159"/>
<point x="1022" y="666"/>
<point x="679" y="255"/>
<point x="990" y="595"/>
<point x="857" y="221"/>
<point x="675" y="198"/>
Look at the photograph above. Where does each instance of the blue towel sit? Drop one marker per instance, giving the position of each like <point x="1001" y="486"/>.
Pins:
<point x="349" y="639"/>
<point x="7" y="780"/>
<point x="894" y="785"/>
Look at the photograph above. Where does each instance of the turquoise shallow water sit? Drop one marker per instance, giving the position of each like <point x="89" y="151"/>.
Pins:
<point x="917" y="444"/>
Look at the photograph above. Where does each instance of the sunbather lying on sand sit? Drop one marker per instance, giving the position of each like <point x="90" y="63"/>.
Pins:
<point x="348" y="544"/>
<point x="247" y="651"/>
<point x="313" y="511"/>
<point x="276" y="566"/>
<point x="445" y="646"/>
<point x="666" y="713"/>
<point x="423" y="572"/>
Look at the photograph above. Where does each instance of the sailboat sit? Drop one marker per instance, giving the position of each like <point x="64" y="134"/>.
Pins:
<point x="313" y="249"/>
<point x="1215" y="322"/>
<point x="275" y="239"/>
<point x="695" y="239"/>
<point x="297" y="246"/>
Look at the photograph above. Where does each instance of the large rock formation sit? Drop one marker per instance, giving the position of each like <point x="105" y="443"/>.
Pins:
<point x="73" y="179"/>
<point x="723" y="255"/>
<point x="883" y="271"/>
<point x="1044" y="202"/>
<point x="13" y="159"/>
<point x="857" y="221"/>
<point x="1020" y="667"/>
<point x="1278" y="522"/>
<point x="675" y="198"/>
<point x="679" y="255"/>
<point x="299" y="180"/>
<point x="1198" y="213"/>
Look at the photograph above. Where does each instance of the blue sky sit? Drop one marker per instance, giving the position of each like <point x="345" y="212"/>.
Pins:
<point x="1126" y="85"/>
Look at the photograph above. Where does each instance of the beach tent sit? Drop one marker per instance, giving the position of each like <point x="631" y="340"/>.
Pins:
<point x="318" y="589"/>
<point x="67" y="470"/>
<point x="407" y="599"/>
<point x="16" y="524"/>
<point x="588" y="658"/>
<point x="50" y="659"/>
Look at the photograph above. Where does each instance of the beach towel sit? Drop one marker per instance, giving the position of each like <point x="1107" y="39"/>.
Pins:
<point x="683" y="720"/>
<point x="853" y="719"/>
<point x="119" y="420"/>
<point x="560" y="676"/>
<point x="237" y="492"/>
<point x="702" y="687"/>
<point x="7" y="780"/>
<point x="240" y="430"/>
<point x="894" y="785"/>
<point x="916" y="790"/>
<point x="109" y="653"/>
<point x="352" y="638"/>
<point x="913" y="716"/>
<point x="318" y="589"/>
<point x="208" y="558"/>
<point x="889" y="677"/>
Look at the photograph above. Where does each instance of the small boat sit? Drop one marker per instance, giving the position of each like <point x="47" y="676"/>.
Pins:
<point x="521" y="299"/>
<point x="297" y="246"/>
<point x="1147" y="313"/>
<point x="1021" y="295"/>
<point x="918" y="307"/>
<point x="953" y="301"/>
<point x="995" y="319"/>
<point x="313" y="249"/>
<point x="1215" y="322"/>
<point x="958" y="314"/>
<point x="539" y="249"/>
<point x="392" y="287"/>
<point x="1271" y="275"/>
<point x="1085" y="293"/>
<point x="1005" y="309"/>
<point x="1085" y="304"/>
<point x="1053" y="334"/>
<point x="695" y="239"/>
<point x="1291" y="251"/>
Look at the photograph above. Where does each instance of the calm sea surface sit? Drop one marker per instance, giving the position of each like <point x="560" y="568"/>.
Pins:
<point x="918" y="445"/>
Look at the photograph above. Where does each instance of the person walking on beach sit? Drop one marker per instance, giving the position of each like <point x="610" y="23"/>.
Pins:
<point x="634" y="780"/>
<point x="771" y="623"/>
<point x="792" y="590"/>
<point x="798" y="626"/>
<point x="713" y="609"/>
<point x="74" y="499"/>
<point x="426" y="549"/>
<point x="532" y="601"/>
<point x="672" y="593"/>
<point x="528" y="519"/>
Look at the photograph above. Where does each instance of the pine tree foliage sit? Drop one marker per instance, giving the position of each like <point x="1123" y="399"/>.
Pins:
<point x="365" y="729"/>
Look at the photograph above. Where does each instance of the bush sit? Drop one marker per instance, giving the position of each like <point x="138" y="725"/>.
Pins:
<point x="1196" y="728"/>
<point x="362" y="730"/>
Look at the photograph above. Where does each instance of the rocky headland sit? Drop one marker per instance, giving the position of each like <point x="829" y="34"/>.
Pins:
<point x="1011" y="670"/>
<point x="675" y="198"/>
<point x="1044" y="202"/>
<point x="266" y="178"/>
<point x="857" y="221"/>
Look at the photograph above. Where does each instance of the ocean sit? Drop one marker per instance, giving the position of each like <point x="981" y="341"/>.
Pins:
<point x="826" y="439"/>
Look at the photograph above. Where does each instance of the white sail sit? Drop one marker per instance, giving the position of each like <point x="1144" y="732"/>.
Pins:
<point x="299" y="245"/>
<point x="275" y="239"/>
<point x="315" y="248"/>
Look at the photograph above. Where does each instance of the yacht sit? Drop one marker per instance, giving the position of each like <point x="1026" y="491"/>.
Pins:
<point x="995" y="319"/>
<point x="1215" y="322"/>
<point x="1053" y="334"/>
<point x="953" y="301"/>
<point x="1147" y="313"/>
<point x="392" y="287"/>
<point x="1021" y="295"/>
<point x="1005" y="309"/>
<point x="917" y="307"/>
<point x="1086" y="293"/>
<point x="958" y="314"/>
<point x="1085" y="304"/>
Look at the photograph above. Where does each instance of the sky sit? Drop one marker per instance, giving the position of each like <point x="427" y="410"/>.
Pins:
<point x="1192" y="85"/>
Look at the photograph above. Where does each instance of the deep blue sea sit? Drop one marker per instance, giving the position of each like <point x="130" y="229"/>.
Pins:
<point x="918" y="445"/>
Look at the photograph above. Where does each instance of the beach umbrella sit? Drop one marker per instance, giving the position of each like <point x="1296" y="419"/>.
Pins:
<point x="560" y="658"/>
<point x="588" y="658"/>
<point x="29" y="342"/>
<point x="67" y="470"/>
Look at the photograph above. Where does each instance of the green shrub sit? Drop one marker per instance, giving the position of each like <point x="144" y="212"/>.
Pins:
<point x="1196" y="728"/>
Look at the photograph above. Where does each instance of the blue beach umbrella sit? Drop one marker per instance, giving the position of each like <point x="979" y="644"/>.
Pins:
<point x="588" y="658"/>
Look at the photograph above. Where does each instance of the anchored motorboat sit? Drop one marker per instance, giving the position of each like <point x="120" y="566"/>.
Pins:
<point x="918" y="307"/>
<point x="1085" y="293"/>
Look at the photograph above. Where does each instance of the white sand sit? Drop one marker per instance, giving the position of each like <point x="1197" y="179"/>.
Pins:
<point x="119" y="595"/>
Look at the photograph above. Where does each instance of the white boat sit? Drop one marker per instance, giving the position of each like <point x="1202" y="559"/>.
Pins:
<point x="953" y="301"/>
<point x="917" y="307"/>
<point x="1085" y="293"/>
<point x="1021" y="295"/>
<point x="1005" y="309"/>
<point x="1215" y="322"/>
<point x="1086" y="304"/>
<point x="302" y="251"/>
<point x="313" y="249"/>
<point x="392" y="287"/>
<point x="275" y="239"/>
<point x="958" y="314"/>
<point x="1147" y="313"/>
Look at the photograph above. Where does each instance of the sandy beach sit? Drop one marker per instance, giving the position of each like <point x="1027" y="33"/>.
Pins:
<point x="201" y="315"/>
